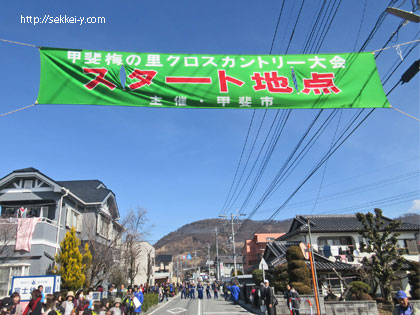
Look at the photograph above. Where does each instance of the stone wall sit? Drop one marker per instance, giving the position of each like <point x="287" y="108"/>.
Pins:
<point x="329" y="307"/>
<point x="351" y="308"/>
<point x="307" y="302"/>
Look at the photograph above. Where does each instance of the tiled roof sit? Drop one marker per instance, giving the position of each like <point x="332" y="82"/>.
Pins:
<point x="334" y="223"/>
<point x="87" y="190"/>
<point x="26" y="170"/>
<point x="229" y="259"/>
<point x="321" y="263"/>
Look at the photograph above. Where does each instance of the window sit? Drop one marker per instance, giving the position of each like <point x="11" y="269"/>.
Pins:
<point x="103" y="227"/>
<point x="407" y="246"/>
<point x="74" y="219"/>
<point x="27" y="184"/>
<point x="6" y="274"/>
<point x="30" y="212"/>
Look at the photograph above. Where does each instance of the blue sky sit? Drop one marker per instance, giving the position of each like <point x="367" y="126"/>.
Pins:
<point x="179" y="164"/>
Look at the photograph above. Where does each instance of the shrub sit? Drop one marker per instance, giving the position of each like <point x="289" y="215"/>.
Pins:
<point x="257" y="276"/>
<point x="414" y="280"/>
<point x="299" y="274"/>
<point x="359" y="291"/>
<point x="279" y="278"/>
<point x="150" y="299"/>
<point x="301" y="288"/>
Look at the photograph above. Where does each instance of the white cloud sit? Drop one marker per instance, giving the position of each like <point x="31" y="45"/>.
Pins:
<point x="416" y="206"/>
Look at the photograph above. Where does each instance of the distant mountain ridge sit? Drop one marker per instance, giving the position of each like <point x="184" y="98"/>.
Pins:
<point x="195" y="238"/>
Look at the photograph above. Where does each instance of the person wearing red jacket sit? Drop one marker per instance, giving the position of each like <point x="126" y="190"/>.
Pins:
<point x="34" y="305"/>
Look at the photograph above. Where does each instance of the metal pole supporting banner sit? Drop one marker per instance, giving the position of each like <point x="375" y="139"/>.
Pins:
<point x="318" y="310"/>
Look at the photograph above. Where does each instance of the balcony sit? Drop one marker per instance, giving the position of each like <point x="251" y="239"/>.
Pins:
<point x="45" y="231"/>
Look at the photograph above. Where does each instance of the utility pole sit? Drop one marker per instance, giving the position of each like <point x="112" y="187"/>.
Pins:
<point x="233" y="216"/>
<point x="217" y="257"/>
<point x="313" y="269"/>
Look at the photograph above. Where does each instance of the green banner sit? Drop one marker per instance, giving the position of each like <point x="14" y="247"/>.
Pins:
<point x="71" y="76"/>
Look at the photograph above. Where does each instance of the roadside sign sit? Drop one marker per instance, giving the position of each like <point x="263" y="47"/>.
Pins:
<point x="24" y="285"/>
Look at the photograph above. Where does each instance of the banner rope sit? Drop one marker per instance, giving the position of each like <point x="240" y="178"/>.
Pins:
<point x="374" y="51"/>
<point x="17" y="110"/>
<point x="404" y="113"/>
<point x="18" y="43"/>
<point x="406" y="43"/>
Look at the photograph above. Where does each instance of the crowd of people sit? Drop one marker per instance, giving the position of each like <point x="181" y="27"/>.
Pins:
<point x="124" y="301"/>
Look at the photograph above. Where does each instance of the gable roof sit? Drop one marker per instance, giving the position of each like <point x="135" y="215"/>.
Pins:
<point x="87" y="190"/>
<point x="334" y="223"/>
<point x="278" y="257"/>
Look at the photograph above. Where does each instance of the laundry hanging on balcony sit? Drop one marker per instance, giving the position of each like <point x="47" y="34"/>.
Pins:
<point x="24" y="232"/>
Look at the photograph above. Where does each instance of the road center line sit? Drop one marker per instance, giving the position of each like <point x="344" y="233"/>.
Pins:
<point x="199" y="308"/>
<point x="163" y="305"/>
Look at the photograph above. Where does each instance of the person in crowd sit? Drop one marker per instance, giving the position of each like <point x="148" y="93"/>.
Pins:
<point x="252" y="296"/>
<point x="41" y="288"/>
<point x="225" y="291"/>
<point x="270" y="300"/>
<point x="286" y="295"/>
<point x="116" y="309"/>
<point x="215" y="290"/>
<point x="58" y="298"/>
<point x="73" y="311"/>
<point x="192" y="290"/>
<point x="16" y="308"/>
<point x="404" y="307"/>
<point x="183" y="290"/>
<point x="127" y="301"/>
<point x="68" y="304"/>
<point x="261" y="297"/>
<point x="138" y="301"/>
<point x="294" y="300"/>
<point x="171" y="290"/>
<point x="200" y="290"/>
<point x="49" y="304"/>
<point x="34" y="306"/>
<point x="98" y="308"/>
<point x="234" y="291"/>
<point x="208" y="291"/>
<point x="121" y="291"/>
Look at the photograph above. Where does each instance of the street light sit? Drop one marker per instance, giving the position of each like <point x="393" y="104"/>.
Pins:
<point x="408" y="16"/>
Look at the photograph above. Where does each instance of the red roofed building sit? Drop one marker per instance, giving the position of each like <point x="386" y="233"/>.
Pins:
<point x="253" y="249"/>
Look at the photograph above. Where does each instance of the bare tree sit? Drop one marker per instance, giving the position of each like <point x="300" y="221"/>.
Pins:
<point x="136" y="228"/>
<point x="8" y="229"/>
<point x="118" y="248"/>
<point x="105" y="251"/>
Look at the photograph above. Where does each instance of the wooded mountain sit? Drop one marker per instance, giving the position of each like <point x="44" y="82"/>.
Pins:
<point x="200" y="235"/>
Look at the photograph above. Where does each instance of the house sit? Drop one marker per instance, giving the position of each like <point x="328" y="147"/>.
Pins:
<point x="227" y="265"/>
<point x="146" y="264"/>
<point x="56" y="206"/>
<point x="164" y="268"/>
<point x="336" y="239"/>
<point x="253" y="249"/>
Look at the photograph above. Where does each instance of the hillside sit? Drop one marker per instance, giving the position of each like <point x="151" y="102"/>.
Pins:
<point x="197" y="235"/>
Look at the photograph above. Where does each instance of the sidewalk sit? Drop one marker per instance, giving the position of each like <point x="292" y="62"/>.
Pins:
<point x="250" y="308"/>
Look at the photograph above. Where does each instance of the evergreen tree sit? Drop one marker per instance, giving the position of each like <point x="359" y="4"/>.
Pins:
<point x="414" y="280"/>
<point x="87" y="263"/>
<point x="381" y="238"/>
<point x="298" y="271"/>
<point x="71" y="266"/>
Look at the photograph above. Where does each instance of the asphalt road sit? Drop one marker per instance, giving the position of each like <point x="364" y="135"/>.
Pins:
<point x="198" y="307"/>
